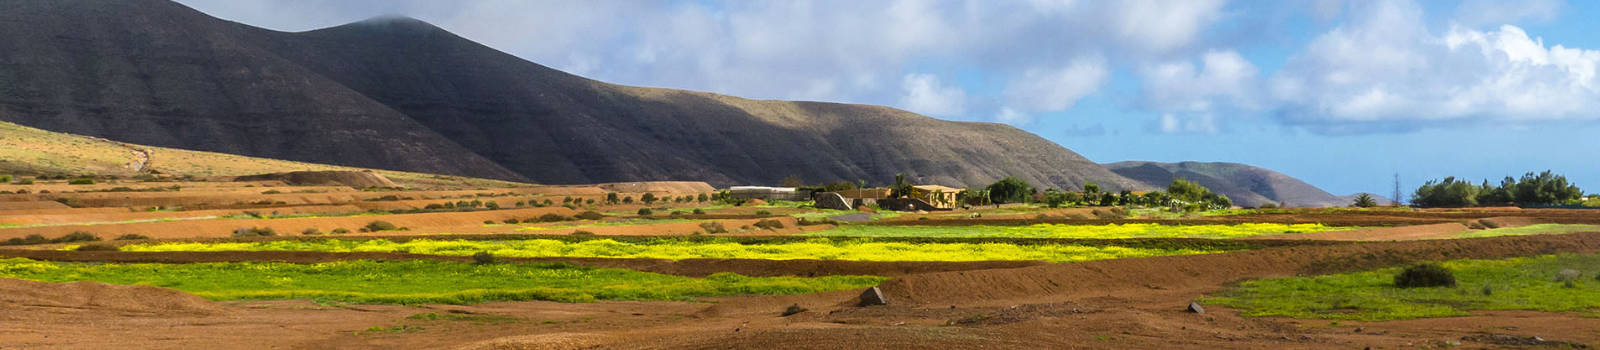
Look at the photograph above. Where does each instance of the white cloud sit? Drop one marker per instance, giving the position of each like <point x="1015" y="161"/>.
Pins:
<point x="1190" y="123"/>
<point x="1057" y="88"/>
<point x="1013" y="117"/>
<point x="924" y="94"/>
<point x="1475" y="13"/>
<point x="1164" y="25"/>
<point x="1223" y="77"/>
<point x="1388" y="67"/>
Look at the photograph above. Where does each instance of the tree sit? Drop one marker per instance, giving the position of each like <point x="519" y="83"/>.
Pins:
<point x="1447" y="193"/>
<point x="1496" y="195"/>
<point x="1054" y="198"/>
<point x="611" y="198"/>
<point x="1091" y="191"/>
<point x="1009" y="190"/>
<point x="648" y="198"/>
<point x="1545" y="188"/>
<point x="1365" y="201"/>
<point x="1193" y="196"/>
<point x="901" y="188"/>
<point x="792" y="181"/>
<point x="702" y="198"/>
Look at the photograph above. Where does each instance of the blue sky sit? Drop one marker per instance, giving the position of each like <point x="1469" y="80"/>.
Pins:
<point x="1342" y="94"/>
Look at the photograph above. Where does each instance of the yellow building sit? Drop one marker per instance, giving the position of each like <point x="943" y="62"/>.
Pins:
<point x="939" y="196"/>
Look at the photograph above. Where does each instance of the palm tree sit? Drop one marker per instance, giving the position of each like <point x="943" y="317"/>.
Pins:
<point x="1365" y="201"/>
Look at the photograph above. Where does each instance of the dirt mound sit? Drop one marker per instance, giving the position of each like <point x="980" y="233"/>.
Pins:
<point x="356" y="179"/>
<point x="15" y="293"/>
<point x="1507" y="221"/>
<point x="658" y="187"/>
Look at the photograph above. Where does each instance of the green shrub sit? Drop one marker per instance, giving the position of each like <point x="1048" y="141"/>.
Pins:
<point x="340" y="231"/>
<point x="552" y="217"/>
<point x="511" y="221"/>
<point x="377" y="226"/>
<point x="311" y="232"/>
<point x="769" y="224"/>
<point x="763" y="212"/>
<point x="24" y="181"/>
<point x="488" y="222"/>
<point x="131" y="236"/>
<point x="1425" y="275"/>
<point x="698" y="211"/>
<point x="254" y="232"/>
<point x="97" y="247"/>
<point x="645" y="212"/>
<point x="78" y="236"/>
<point x="81" y="181"/>
<point x="483" y="258"/>
<point x="713" y="227"/>
<point x="1271" y="205"/>
<point x="590" y="215"/>
<point x="5" y="178"/>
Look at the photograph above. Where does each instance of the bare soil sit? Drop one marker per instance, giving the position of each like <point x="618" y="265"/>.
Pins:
<point x="1129" y="303"/>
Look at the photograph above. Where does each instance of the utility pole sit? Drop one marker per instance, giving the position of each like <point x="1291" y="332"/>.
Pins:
<point x="1396" y="197"/>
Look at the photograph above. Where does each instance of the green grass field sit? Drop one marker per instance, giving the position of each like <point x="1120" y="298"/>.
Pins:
<point x="1510" y="284"/>
<point x="422" y="281"/>
<point x="1112" y="231"/>
<point x="1539" y="229"/>
<point x="817" y="248"/>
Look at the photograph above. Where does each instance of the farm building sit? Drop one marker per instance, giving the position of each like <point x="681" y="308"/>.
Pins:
<point x="768" y="193"/>
<point x="865" y="193"/>
<point x="939" y="196"/>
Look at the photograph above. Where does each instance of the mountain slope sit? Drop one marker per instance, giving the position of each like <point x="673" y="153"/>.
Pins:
<point x="397" y="93"/>
<point x="30" y="151"/>
<point x="1246" y="185"/>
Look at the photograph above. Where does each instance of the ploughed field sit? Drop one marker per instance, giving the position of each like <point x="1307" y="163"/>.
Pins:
<point x="264" y="264"/>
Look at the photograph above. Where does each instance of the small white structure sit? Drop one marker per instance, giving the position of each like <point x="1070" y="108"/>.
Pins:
<point x="767" y="193"/>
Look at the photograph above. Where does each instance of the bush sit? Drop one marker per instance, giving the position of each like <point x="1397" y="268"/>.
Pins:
<point x="81" y="181"/>
<point x="5" y="178"/>
<point x="23" y="181"/>
<point x="590" y="215"/>
<point x="1425" y="275"/>
<point x="78" y="236"/>
<point x="1271" y="205"/>
<point x="1009" y="190"/>
<point x="483" y="258"/>
<point x="380" y="225"/>
<point x="488" y="222"/>
<point x="552" y="217"/>
<point x="97" y="247"/>
<point x="713" y="227"/>
<point x="130" y="237"/>
<point x="769" y="224"/>
<point x="698" y="211"/>
<point x="311" y="232"/>
<point x="30" y="239"/>
<point x="511" y="221"/>
<point x="763" y="212"/>
<point x="340" y="231"/>
<point x="254" y="232"/>
<point x="793" y="309"/>
<point x="645" y="212"/>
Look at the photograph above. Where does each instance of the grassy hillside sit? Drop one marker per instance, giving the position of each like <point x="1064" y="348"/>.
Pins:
<point x="30" y="151"/>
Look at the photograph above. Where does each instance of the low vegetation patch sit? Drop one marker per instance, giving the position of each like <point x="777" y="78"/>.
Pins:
<point x="422" y="281"/>
<point x="1537" y="229"/>
<point x="718" y="248"/>
<point x="1562" y="283"/>
<point x="1112" y="231"/>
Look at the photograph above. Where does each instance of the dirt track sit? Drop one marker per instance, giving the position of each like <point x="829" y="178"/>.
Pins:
<point x="1129" y="303"/>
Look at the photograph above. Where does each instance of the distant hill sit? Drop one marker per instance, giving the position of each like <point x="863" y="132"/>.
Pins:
<point x="1246" y="185"/>
<point x="397" y="93"/>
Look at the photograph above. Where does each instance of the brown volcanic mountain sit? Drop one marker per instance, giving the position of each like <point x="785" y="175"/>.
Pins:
<point x="1246" y="185"/>
<point x="397" y="93"/>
